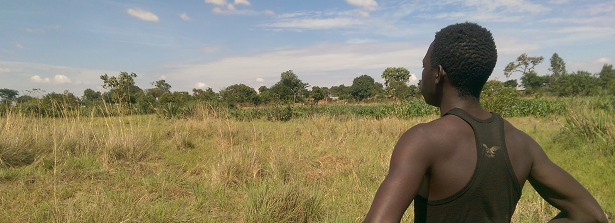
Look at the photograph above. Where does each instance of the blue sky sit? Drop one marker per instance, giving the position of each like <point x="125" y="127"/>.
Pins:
<point x="67" y="45"/>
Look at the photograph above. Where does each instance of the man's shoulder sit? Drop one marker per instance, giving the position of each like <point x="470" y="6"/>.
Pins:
<point x="437" y="133"/>
<point x="448" y="126"/>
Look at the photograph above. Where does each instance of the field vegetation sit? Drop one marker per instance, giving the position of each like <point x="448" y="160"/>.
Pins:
<point x="320" y="163"/>
<point x="282" y="154"/>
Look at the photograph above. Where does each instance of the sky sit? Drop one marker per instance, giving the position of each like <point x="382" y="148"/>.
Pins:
<point x="68" y="44"/>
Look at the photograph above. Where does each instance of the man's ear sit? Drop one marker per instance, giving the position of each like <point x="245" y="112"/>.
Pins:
<point x="440" y="75"/>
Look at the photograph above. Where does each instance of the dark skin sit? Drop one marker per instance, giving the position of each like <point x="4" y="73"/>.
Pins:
<point x="437" y="159"/>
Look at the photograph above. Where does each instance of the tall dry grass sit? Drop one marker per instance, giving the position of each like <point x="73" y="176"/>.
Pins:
<point x="211" y="168"/>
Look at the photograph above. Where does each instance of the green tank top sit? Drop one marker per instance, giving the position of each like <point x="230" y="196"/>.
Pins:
<point x="492" y="193"/>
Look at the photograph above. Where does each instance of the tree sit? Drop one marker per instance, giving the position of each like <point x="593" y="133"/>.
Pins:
<point x="123" y="87"/>
<point x="262" y="89"/>
<point x="205" y="95"/>
<point x="154" y="92"/>
<point x="511" y="83"/>
<point x="607" y="77"/>
<point x="8" y="94"/>
<point x="580" y="83"/>
<point x="399" y="89"/>
<point x="363" y="87"/>
<point x="524" y="64"/>
<point x="25" y="98"/>
<point x="340" y="91"/>
<point x="317" y="94"/>
<point x="53" y="104"/>
<point x="163" y="86"/>
<point x="91" y="95"/>
<point x="237" y="93"/>
<point x="558" y="66"/>
<point x="531" y="81"/>
<point x="398" y="74"/>
<point x="291" y="80"/>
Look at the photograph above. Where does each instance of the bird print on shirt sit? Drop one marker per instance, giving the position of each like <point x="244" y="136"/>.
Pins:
<point x="490" y="151"/>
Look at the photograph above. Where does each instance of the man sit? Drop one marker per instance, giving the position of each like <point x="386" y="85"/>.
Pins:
<point x="470" y="165"/>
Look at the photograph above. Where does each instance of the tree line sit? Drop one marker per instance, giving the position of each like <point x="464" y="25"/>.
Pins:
<point x="290" y="89"/>
<point x="124" y="94"/>
<point x="559" y="82"/>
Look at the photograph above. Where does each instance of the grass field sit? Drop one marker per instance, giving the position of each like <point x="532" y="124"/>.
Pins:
<point x="207" y="168"/>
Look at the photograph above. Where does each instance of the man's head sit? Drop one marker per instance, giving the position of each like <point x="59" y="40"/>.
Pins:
<point x="466" y="53"/>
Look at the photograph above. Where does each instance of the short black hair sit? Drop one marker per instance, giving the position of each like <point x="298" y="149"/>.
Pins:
<point x="467" y="54"/>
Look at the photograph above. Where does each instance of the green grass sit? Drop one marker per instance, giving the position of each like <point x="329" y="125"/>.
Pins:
<point x="210" y="167"/>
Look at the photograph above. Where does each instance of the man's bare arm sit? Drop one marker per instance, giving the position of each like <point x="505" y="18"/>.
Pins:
<point x="561" y="190"/>
<point x="409" y="163"/>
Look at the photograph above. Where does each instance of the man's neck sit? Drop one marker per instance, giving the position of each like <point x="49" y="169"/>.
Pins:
<point x="469" y="104"/>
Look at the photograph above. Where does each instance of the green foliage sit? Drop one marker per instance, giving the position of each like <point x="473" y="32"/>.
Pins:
<point x="506" y="101"/>
<point x="395" y="78"/>
<point x="91" y="95"/>
<point x="291" y="81"/>
<point x="282" y="93"/>
<point x="8" y="94"/>
<point x="204" y="95"/>
<point x="558" y="66"/>
<point x="591" y="121"/>
<point x="122" y="88"/>
<point x="364" y="87"/>
<point x="317" y="94"/>
<point x="607" y="78"/>
<point x="341" y="91"/>
<point x="524" y="64"/>
<point x="511" y="83"/>
<point x="400" y="90"/>
<point x="580" y="83"/>
<point x="163" y="86"/>
<point x="59" y="105"/>
<point x="237" y="94"/>
<point x="531" y="81"/>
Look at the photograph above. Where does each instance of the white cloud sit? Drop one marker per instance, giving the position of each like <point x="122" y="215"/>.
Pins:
<point x="216" y="2"/>
<point x="601" y="8"/>
<point x="201" y="85"/>
<point x="509" y="47"/>
<point x="19" y="46"/>
<point x="413" y="80"/>
<point x="61" y="79"/>
<point x="231" y="7"/>
<point x="38" y="79"/>
<point x="57" y="79"/>
<point x="35" y="31"/>
<point x="604" y="60"/>
<point x="589" y="65"/>
<point x="368" y="5"/>
<point x="361" y="13"/>
<point x="185" y="17"/>
<point x="558" y="2"/>
<point x="5" y="70"/>
<point x="586" y="29"/>
<point x="245" y="2"/>
<point x="269" y="12"/>
<point x="315" y="23"/>
<point x="320" y="65"/>
<point x="360" y="41"/>
<point x="506" y="5"/>
<point x="162" y="77"/>
<point x="217" y="10"/>
<point x="211" y="49"/>
<point x="143" y="14"/>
